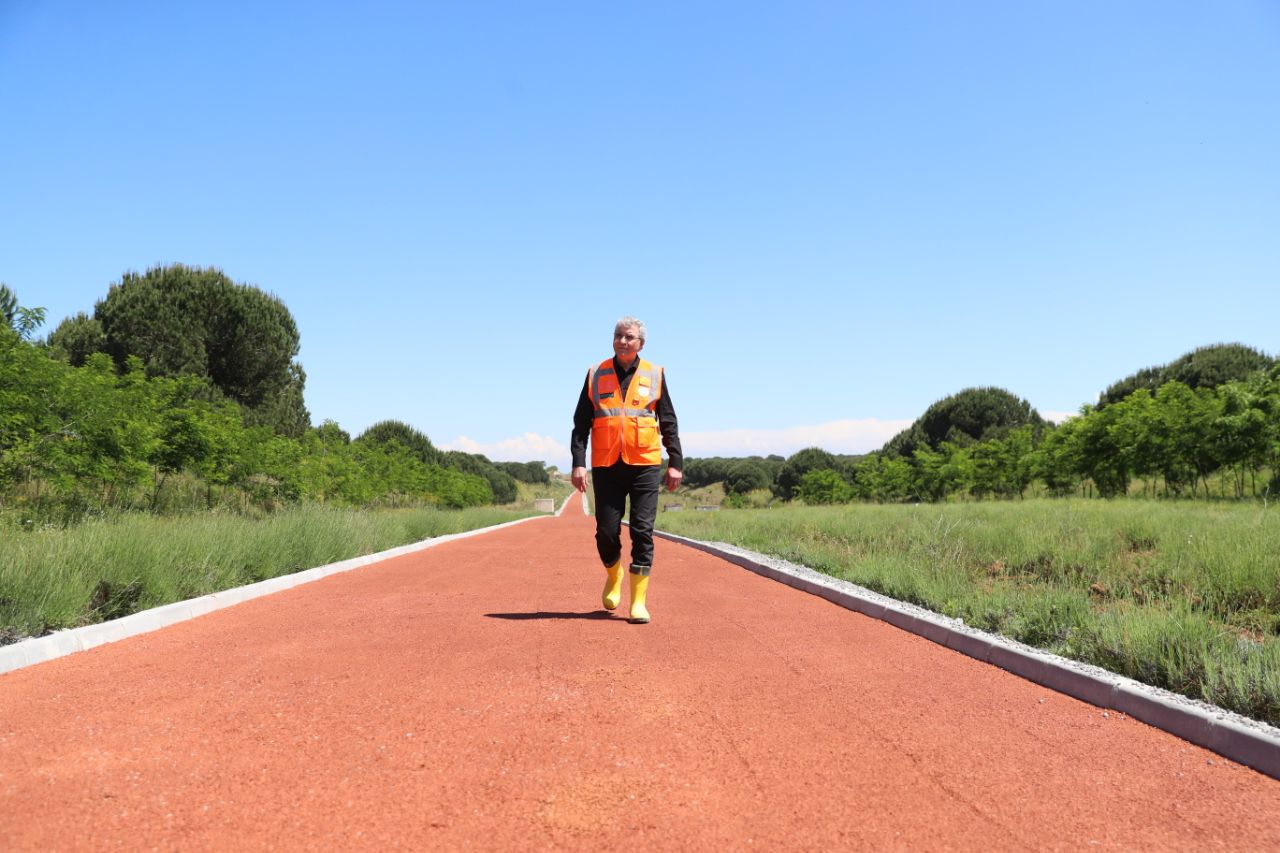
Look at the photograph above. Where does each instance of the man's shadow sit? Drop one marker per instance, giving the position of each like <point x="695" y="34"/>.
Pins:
<point x="551" y="614"/>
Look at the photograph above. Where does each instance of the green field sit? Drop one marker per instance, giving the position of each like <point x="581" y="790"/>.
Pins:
<point x="106" y="568"/>
<point x="1181" y="595"/>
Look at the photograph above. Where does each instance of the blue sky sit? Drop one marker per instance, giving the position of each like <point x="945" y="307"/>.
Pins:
<point x="830" y="215"/>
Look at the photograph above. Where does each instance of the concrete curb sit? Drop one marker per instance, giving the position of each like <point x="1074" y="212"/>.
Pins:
<point x="60" y="643"/>
<point x="1230" y="735"/>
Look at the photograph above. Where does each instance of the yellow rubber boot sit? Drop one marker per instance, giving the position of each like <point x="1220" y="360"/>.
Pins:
<point x="612" y="586"/>
<point x="639" y="586"/>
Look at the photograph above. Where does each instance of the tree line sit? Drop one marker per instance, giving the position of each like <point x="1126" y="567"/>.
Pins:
<point x="1211" y="417"/>
<point x="182" y="389"/>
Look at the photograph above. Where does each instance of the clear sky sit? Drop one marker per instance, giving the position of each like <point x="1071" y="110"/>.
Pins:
<point x="830" y="215"/>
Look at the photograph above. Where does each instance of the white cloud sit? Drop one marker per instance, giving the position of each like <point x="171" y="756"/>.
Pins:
<point x="523" y="448"/>
<point x="850" y="436"/>
<point x="1058" y="417"/>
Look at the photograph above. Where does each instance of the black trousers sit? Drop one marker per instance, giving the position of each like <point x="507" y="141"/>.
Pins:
<point x="612" y="487"/>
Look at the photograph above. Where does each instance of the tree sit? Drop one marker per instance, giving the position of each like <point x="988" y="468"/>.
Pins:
<point x="1184" y="420"/>
<point x="1138" y="435"/>
<point x="1003" y="466"/>
<point x="799" y="464"/>
<point x="966" y="417"/>
<point x="1239" y="431"/>
<point x="1097" y="452"/>
<point x="77" y="338"/>
<point x="744" y="476"/>
<point x="824" y="486"/>
<point x="1055" y="461"/>
<point x="907" y="442"/>
<point x="478" y="465"/>
<point x="24" y="321"/>
<point x="884" y="478"/>
<point x="1205" y="367"/>
<point x="29" y="380"/>
<point x="188" y="320"/>
<point x="1212" y="366"/>
<point x="417" y="442"/>
<point x="942" y="472"/>
<point x="526" y="472"/>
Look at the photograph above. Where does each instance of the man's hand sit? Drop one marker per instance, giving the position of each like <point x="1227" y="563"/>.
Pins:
<point x="674" y="476"/>
<point x="579" y="478"/>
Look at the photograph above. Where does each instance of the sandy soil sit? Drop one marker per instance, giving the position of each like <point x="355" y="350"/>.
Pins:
<point x="474" y="696"/>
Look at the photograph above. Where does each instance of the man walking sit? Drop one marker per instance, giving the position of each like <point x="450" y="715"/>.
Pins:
<point x="626" y="410"/>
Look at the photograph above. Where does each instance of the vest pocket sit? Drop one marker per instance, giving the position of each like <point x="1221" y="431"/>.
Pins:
<point x="646" y="433"/>
<point x="605" y="442"/>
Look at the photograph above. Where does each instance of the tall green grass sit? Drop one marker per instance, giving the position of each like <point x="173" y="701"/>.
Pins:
<point x="107" y="568"/>
<point x="527" y="493"/>
<point x="1185" y="596"/>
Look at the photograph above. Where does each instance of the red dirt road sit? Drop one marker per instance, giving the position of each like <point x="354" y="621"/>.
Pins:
<point x="473" y="695"/>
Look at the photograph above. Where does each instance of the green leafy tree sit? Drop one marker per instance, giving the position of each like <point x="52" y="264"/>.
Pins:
<point x="1097" y="451"/>
<point x="526" y="472"/>
<point x="399" y="431"/>
<point x="77" y="338"/>
<point x="969" y="416"/>
<point x="501" y="483"/>
<point x="1205" y="367"/>
<point x="24" y="321"/>
<point x="939" y="473"/>
<point x="1184" y="426"/>
<point x="885" y="479"/>
<point x="106" y="429"/>
<point x="272" y="468"/>
<point x="745" y="476"/>
<point x="931" y="481"/>
<point x="1139" y="437"/>
<point x="799" y="464"/>
<point x="327" y="469"/>
<point x="1239" y="432"/>
<point x="703" y="471"/>
<point x="907" y="442"/>
<point x="394" y="475"/>
<point x="1054" y="460"/>
<point x="1003" y="466"/>
<point x="187" y="320"/>
<point x="199" y="435"/>
<point x="29" y="382"/>
<point x="824" y="486"/>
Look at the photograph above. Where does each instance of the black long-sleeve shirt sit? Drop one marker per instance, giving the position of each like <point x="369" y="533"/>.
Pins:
<point x="585" y="414"/>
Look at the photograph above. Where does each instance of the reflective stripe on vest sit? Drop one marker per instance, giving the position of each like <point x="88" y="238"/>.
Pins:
<point x="625" y="429"/>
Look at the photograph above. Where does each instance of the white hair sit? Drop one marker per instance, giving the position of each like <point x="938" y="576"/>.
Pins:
<point x="625" y="322"/>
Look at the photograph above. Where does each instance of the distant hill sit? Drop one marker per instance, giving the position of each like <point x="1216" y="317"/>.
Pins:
<point x="1206" y="367"/>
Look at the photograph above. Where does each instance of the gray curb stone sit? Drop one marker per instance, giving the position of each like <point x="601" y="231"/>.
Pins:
<point x="1249" y="742"/>
<point x="55" y="645"/>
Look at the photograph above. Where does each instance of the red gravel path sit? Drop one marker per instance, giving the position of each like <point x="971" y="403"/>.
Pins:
<point x="474" y="696"/>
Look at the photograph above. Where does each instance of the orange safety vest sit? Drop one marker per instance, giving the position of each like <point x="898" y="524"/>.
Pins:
<point x="625" y="429"/>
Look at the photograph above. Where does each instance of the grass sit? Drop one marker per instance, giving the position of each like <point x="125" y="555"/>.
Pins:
<point x="1185" y="595"/>
<point x="110" y="567"/>
<point x="527" y="493"/>
<point x="690" y="499"/>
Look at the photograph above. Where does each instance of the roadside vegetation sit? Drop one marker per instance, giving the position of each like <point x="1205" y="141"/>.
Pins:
<point x="53" y="578"/>
<point x="1140" y="535"/>
<point x="181" y="393"/>
<point x="159" y="449"/>
<point x="1205" y="426"/>
<point x="1181" y="595"/>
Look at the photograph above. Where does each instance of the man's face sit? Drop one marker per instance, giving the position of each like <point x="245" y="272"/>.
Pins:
<point x="627" y="343"/>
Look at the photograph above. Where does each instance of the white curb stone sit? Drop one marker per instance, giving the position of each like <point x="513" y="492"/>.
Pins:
<point x="1230" y="735"/>
<point x="60" y="643"/>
